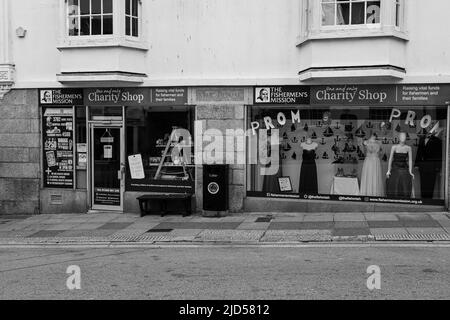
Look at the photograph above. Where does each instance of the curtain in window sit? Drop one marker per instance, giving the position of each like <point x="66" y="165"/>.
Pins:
<point x="341" y="12"/>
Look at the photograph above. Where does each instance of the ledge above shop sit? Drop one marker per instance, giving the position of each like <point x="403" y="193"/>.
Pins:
<point x="92" y="78"/>
<point x="378" y="72"/>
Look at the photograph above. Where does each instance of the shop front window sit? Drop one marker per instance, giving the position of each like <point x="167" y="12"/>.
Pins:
<point x="373" y="154"/>
<point x="159" y="148"/>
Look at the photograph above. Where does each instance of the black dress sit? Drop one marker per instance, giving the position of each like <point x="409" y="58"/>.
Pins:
<point x="270" y="183"/>
<point x="399" y="184"/>
<point x="308" y="173"/>
<point x="429" y="161"/>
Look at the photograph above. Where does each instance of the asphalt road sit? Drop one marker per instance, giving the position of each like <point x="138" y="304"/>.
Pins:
<point x="334" y="272"/>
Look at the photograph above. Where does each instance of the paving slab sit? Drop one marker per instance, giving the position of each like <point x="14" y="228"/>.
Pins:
<point x="351" y="232"/>
<point x="385" y="224"/>
<point x="439" y="216"/>
<point x="317" y="225"/>
<point x="276" y="225"/>
<point x="16" y="234"/>
<point x="387" y="231"/>
<point x="425" y="230"/>
<point x="444" y="223"/>
<point x="253" y="226"/>
<point x="300" y="218"/>
<point x="198" y="225"/>
<point x="88" y="226"/>
<point x="319" y="218"/>
<point x="349" y="217"/>
<point x="230" y="235"/>
<point x="115" y="226"/>
<point x="376" y="216"/>
<point x="46" y="234"/>
<point x="420" y="224"/>
<point x="141" y="225"/>
<point x="413" y="217"/>
<point x="296" y="236"/>
<point x="350" y="224"/>
<point x="62" y="226"/>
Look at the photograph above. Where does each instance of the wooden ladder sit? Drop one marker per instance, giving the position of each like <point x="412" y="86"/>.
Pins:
<point x="169" y="148"/>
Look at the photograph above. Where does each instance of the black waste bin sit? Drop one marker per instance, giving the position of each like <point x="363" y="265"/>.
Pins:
<point x="215" y="188"/>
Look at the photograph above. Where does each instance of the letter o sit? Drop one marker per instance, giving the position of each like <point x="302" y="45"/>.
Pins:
<point x="426" y="121"/>
<point x="281" y="117"/>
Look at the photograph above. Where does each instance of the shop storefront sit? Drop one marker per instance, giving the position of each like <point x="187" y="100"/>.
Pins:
<point x="373" y="144"/>
<point x="308" y="148"/>
<point x="104" y="146"/>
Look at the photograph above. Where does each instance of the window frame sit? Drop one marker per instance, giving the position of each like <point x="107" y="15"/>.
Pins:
<point x="117" y="39"/>
<point x="311" y="23"/>
<point x="350" y="25"/>
<point x="90" y="15"/>
<point x="132" y="17"/>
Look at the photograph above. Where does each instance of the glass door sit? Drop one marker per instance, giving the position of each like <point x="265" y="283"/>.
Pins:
<point x="107" y="168"/>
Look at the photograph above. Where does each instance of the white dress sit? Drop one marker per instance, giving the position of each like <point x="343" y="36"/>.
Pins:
<point x="372" y="183"/>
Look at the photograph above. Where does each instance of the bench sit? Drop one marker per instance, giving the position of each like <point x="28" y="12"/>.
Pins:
<point x="163" y="198"/>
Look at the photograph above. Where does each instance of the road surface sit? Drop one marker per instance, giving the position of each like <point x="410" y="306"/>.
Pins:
<point x="315" y="272"/>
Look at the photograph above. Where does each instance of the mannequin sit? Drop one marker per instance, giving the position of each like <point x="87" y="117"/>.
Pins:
<point x="371" y="176"/>
<point x="429" y="163"/>
<point x="399" y="174"/>
<point x="270" y="183"/>
<point x="308" y="170"/>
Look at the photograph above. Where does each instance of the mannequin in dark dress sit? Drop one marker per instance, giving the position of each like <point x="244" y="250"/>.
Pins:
<point x="400" y="176"/>
<point x="429" y="162"/>
<point x="308" y="172"/>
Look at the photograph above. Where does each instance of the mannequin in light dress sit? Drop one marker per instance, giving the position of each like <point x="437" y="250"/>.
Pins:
<point x="372" y="183"/>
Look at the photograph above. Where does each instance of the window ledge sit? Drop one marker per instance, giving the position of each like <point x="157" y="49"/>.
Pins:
<point x="101" y="42"/>
<point x="348" y="33"/>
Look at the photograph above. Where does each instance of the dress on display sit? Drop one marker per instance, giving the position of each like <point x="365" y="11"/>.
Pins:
<point x="270" y="182"/>
<point x="308" y="173"/>
<point x="372" y="183"/>
<point x="429" y="160"/>
<point x="399" y="184"/>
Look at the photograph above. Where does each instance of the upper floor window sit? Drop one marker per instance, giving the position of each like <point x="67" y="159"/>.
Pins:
<point x="350" y="12"/>
<point x="333" y="19"/>
<point x="90" y="17"/>
<point x="132" y="18"/>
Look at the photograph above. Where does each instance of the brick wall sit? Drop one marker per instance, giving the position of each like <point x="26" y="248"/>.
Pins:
<point x="19" y="153"/>
<point x="223" y="117"/>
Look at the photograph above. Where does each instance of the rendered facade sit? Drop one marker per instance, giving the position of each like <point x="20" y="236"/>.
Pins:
<point x="316" y="105"/>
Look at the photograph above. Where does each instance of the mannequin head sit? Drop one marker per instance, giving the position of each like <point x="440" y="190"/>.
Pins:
<point x="402" y="137"/>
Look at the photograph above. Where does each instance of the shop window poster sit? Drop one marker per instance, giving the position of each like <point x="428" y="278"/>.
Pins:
<point x="57" y="136"/>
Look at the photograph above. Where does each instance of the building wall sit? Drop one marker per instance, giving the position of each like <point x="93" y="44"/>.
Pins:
<point x="19" y="153"/>
<point x="221" y="109"/>
<point x="225" y="42"/>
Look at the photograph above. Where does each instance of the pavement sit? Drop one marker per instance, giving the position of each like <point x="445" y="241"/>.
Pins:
<point x="255" y="228"/>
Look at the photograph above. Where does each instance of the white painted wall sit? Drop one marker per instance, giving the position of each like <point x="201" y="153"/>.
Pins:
<point x="229" y="42"/>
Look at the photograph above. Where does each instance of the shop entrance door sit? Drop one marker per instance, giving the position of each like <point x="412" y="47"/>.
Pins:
<point x="107" y="167"/>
